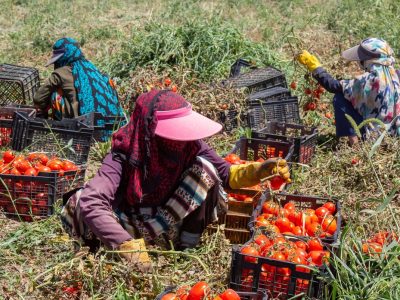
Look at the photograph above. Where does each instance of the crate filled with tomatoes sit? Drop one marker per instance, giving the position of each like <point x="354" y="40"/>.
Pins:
<point x="299" y="215"/>
<point x="202" y="291"/>
<point x="286" y="267"/>
<point x="304" y="138"/>
<point x="31" y="184"/>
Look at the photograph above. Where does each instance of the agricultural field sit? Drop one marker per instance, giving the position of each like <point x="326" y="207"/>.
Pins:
<point x="194" y="43"/>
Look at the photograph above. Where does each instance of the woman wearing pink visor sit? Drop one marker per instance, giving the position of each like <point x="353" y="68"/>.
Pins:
<point x="161" y="183"/>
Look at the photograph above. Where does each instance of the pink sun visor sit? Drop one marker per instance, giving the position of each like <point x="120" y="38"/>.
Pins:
<point x="184" y="124"/>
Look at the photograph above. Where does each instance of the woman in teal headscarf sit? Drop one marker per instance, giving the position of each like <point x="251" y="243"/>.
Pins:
<point x="76" y="87"/>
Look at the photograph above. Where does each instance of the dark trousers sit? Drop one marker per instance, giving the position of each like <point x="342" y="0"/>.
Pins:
<point x="342" y="106"/>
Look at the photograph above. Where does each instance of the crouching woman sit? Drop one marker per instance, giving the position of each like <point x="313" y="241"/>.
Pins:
<point x="160" y="184"/>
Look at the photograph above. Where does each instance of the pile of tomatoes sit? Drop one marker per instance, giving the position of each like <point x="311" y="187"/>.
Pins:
<point x="240" y="197"/>
<point x="273" y="277"/>
<point x="33" y="164"/>
<point x="200" y="291"/>
<point x="376" y="243"/>
<point x="320" y="222"/>
<point x="28" y="197"/>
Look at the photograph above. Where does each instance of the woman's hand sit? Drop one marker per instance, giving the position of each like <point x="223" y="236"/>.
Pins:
<point x="308" y="60"/>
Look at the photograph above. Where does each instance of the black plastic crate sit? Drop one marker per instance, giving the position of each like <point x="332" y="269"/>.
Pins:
<point x="267" y="95"/>
<point x="103" y="126"/>
<point x="262" y="274"/>
<point x="17" y="84"/>
<point x="6" y="120"/>
<point x="255" y="79"/>
<point x="258" y="295"/>
<point x="230" y="119"/>
<point x="283" y="110"/>
<point x="303" y="137"/>
<point x="254" y="149"/>
<point x="301" y="202"/>
<point x="69" y="139"/>
<point x="30" y="197"/>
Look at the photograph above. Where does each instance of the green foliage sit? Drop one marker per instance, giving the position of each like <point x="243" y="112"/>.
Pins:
<point x="208" y="48"/>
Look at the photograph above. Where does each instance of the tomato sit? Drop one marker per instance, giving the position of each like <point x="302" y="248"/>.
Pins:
<point x="54" y="165"/>
<point x="262" y="240"/>
<point x="22" y="165"/>
<point x="247" y="199"/>
<point x="311" y="106"/>
<point x="169" y="296"/>
<point x="199" y="291"/>
<point x="174" y="88"/>
<point x="270" y="207"/>
<point x="232" y="158"/>
<point x="321" y="212"/>
<point x="69" y="166"/>
<point x="44" y="169"/>
<point x="297" y="231"/>
<point x="371" y="248"/>
<point x="319" y="257"/>
<point x="314" y="229"/>
<point x="295" y="217"/>
<point x="262" y="222"/>
<point x="290" y="206"/>
<point x="183" y="291"/>
<point x="276" y="182"/>
<point x="279" y="240"/>
<point x="8" y="156"/>
<point x="167" y="81"/>
<point x="314" y="245"/>
<point x="299" y="260"/>
<point x="33" y="156"/>
<point x="328" y="115"/>
<point x="14" y="171"/>
<point x="44" y="159"/>
<point x="301" y="252"/>
<point x="249" y="250"/>
<point x="283" y="224"/>
<point x="278" y="256"/>
<point x="229" y="295"/>
<point x="301" y="245"/>
<point x="30" y="172"/>
<point x="329" y="225"/>
<point x="293" y="85"/>
<point x="330" y="206"/>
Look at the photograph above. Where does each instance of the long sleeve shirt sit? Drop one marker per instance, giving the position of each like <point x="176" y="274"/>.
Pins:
<point x="101" y="196"/>
<point x="61" y="80"/>
<point x="326" y="80"/>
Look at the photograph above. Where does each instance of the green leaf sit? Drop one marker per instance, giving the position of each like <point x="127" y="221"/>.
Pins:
<point x="376" y="145"/>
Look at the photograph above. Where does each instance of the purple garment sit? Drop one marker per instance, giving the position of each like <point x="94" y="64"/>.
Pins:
<point x="98" y="198"/>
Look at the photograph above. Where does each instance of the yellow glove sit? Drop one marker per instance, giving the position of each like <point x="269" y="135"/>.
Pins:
<point x="141" y="259"/>
<point x="250" y="174"/>
<point x="309" y="60"/>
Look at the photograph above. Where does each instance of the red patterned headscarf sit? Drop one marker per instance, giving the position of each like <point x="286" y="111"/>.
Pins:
<point x="155" y="165"/>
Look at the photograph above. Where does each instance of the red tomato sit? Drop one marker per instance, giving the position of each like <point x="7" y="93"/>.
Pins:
<point x="270" y="207"/>
<point x="262" y="240"/>
<point x="321" y="212"/>
<point x="33" y="156"/>
<point x="8" y="156"/>
<point x="283" y="224"/>
<point x="276" y="182"/>
<point x="169" y="296"/>
<point x="30" y="172"/>
<point x="330" y="206"/>
<point x="295" y="217"/>
<point x="22" y="165"/>
<point x="314" y="245"/>
<point x="69" y="166"/>
<point x="44" y="159"/>
<point x="278" y="256"/>
<point x="262" y="222"/>
<point x="174" y="88"/>
<point x="167" y="81"/>
<point x="301" y="252"/>
<point x="232" y="158"/>
<point x="311" y="106"/>
<point x="319" y="257"/>
<point x="199" y="291"/>
<point x="371" y="248"/>
<point x="297" y="231"/>
<point x="249" y="250"/>
<point x="54" y="165"/>
<point x="44" y="169"/>
<point x="329" y="225"/>
<point x="14" y="171"/>
<point x="314" y="229"/>
<point x="229" y="295"/>
<point x="290" y="206"/>
<point x="301" y="245"/>
<point x="293" y="85"/>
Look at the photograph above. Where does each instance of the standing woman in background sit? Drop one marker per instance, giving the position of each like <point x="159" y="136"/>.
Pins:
<point x="76" y="87"/>
<point x="374" y="94"/>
